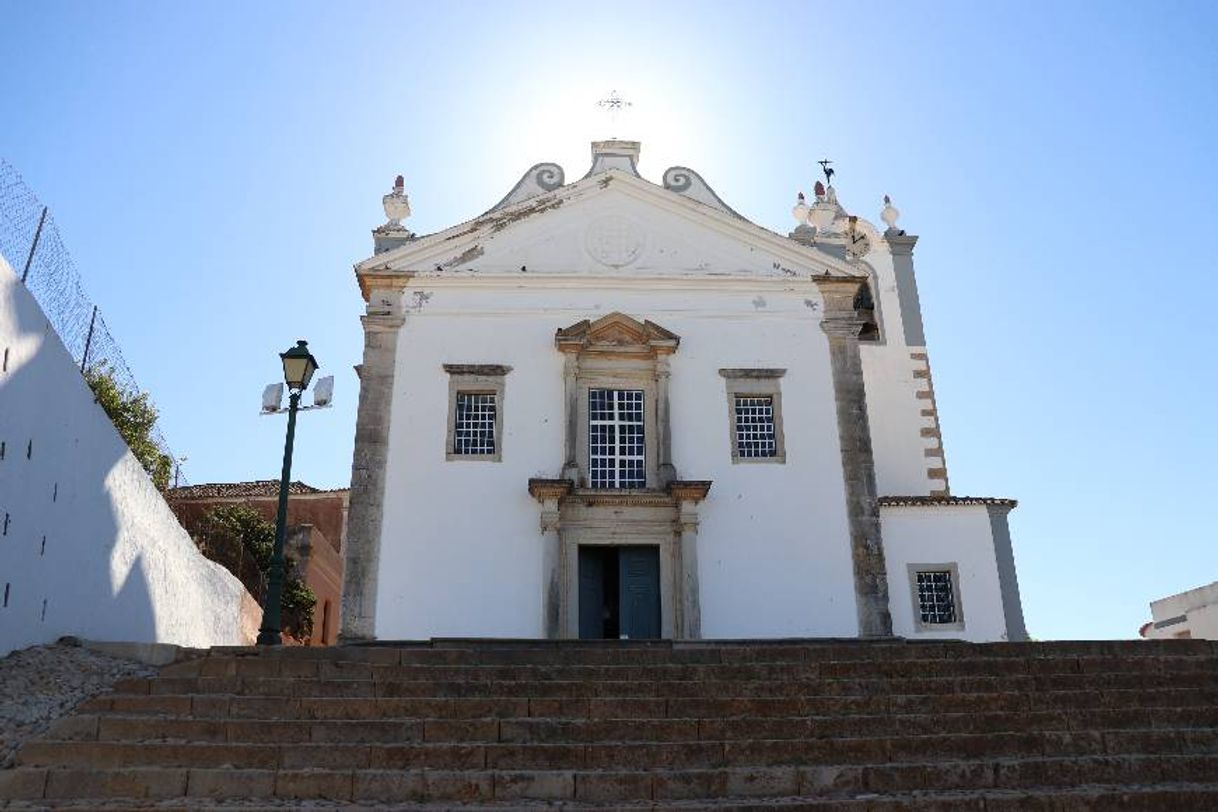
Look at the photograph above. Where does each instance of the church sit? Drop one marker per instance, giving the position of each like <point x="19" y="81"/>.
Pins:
<point x="616" y="409"/>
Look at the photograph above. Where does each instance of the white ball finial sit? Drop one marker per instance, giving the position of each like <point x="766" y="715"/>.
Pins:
<point x="800" y="210"/>
<point x="890" y="214"/>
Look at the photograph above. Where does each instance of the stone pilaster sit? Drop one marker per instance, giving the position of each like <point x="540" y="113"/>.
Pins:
<point x="570" y="377"/>
<point x="554" y="561"/>
<point x="689" y="616"/>
<point x="842" y="325"/>
<point x="365" y="513"/>
<point x="668" y="471"/>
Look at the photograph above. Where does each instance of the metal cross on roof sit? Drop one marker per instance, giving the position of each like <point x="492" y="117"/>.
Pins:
<point x="614" y="105"/>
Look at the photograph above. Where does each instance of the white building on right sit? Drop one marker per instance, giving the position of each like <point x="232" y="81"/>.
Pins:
<point x="1191" y="614"/>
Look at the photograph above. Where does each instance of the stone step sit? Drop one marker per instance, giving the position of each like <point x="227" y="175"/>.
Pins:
<point x="137" y="728"/>
<point x="362" y="688"/>
<point x="1162" y="782"/>
<point x="719" y="651"/>
<point x="280" y="666"/>
<point x="681" y="753"/>
<point x="290" y="708"/>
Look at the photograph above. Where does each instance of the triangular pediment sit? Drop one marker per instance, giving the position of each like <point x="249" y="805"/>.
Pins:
<point x="616" y="331"/>
<point x="609" y="224"/>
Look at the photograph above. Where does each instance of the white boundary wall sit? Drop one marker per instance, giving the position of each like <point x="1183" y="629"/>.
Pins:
<point x="89" y="547"/>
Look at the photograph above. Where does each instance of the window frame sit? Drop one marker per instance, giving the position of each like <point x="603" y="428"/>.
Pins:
<point x="475" y="379"/>
<point x="617" y="436"/>
<point x="757" y="382"/>
<point x="953" y="571"/>
<point x="609" y="374"/>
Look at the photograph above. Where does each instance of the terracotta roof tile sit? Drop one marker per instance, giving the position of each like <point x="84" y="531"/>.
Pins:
<point x="222" y="490"/>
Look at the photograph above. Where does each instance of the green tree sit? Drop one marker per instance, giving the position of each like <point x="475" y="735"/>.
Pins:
<point x="298" y="605"/>
<point x="134" y="417"/>
<point x="241" y="524"/>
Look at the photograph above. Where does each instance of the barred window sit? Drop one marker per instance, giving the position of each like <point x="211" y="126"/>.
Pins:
<point x="755" y="427"/>
<point x="474" y="430"/>
<point x="615" y="438"/>
<point x="936" y="597"/>
<point x="754" y="414"/>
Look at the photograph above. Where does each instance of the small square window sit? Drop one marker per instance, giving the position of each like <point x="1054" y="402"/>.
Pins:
<point x="474" y="431"/>
<point x="936" y="598"/>
<point x="475" y="412"/>
<point x="935" y="589"/>
<point x="755" y="427"/>
<point x="754" y="408"/>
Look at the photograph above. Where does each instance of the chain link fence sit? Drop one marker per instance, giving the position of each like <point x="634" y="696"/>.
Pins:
<point x="31" y="243"/>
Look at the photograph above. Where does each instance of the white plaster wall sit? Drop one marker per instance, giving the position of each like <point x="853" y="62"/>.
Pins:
<point x="1200" y="608"/>
<point x="943" y="535"/>
<point x="894" y="410"/>
<point x="1203" y="622"/>
<point x="461" y="546"/>
<point x="116" y="564"/>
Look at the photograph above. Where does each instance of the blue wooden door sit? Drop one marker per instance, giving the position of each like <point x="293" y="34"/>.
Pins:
<point x="591" y="593"/>
<point x="639" y="580"/>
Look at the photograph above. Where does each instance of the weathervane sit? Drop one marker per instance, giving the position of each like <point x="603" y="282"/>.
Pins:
<point x="824" y="165"/>
<point x="614" y="105"/>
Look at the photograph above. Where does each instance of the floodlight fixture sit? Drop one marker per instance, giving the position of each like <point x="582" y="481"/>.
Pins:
<point x="323" y="393"/>
<point x="272" y="398"/>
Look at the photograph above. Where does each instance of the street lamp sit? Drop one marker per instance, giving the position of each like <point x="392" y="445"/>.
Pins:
<point x="298" y="368"/>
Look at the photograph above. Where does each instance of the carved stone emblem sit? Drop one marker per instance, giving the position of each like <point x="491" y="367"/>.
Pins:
<point x="614" y="240"/>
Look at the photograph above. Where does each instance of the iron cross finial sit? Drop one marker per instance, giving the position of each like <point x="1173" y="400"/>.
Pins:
<point x="824" y="165"/>
<point x="614" y="105"/>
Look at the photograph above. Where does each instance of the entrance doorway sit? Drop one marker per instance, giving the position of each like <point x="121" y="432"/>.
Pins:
<point x="619" y="592"/>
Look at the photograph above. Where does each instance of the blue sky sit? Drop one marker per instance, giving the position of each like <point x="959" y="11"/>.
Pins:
<point x="215" y="169"/>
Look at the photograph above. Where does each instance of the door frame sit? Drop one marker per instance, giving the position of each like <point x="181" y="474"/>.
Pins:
<point x="665" y="518"/>
<point x="577" y="608"/>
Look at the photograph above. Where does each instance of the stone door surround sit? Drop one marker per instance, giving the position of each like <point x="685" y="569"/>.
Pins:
<point x="666" y="518"/>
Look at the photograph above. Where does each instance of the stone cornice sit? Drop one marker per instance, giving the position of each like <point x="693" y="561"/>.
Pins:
<point x="546" y="489"/>
<point x="622" y="498"/>
<point x="841" y="319"/>
<point x="753" y="374"/>
<point x="901" y="243"/>
<point x="480" y="370"/>
<point x="689" y="490"/>
<point x="382" y="280"/>
<point x="694" y="490"/>
<point x="381" y="323"/>
<point x="946" y="501"/>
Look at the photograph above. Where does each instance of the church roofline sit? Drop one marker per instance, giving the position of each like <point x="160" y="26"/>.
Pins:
<point x="422" y="252"/>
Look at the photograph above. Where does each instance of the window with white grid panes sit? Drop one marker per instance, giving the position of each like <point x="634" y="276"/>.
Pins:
<point x="755" y="436"/>
<point x="936" y="597"/>
<point x="474" y="429"/>
<point x="615" y="439"/>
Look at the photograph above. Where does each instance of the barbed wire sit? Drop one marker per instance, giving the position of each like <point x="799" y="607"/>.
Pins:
<point x="31" y="243"/>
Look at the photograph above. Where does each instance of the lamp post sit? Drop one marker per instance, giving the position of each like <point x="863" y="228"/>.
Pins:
<point x="298" y="368"/>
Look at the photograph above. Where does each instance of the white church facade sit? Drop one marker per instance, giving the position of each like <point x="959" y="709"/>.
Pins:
<point x="615" y="408"/>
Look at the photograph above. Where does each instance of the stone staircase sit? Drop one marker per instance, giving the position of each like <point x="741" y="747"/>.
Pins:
<point x="821" y="725"/>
